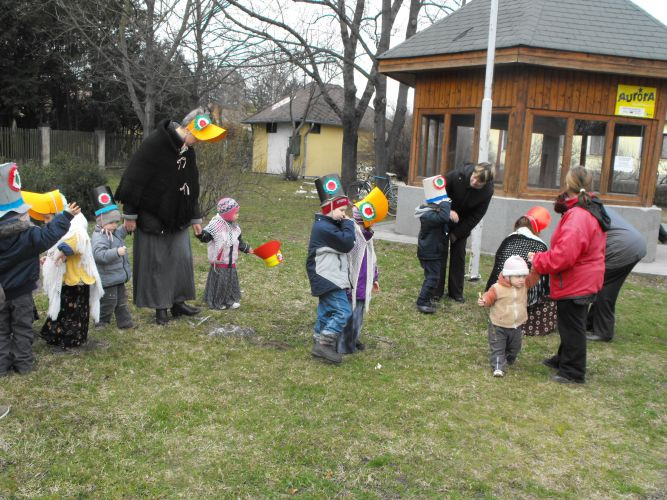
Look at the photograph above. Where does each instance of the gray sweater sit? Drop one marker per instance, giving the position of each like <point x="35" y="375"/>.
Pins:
<point x="625" y="244"/>
<point x="113" y="269"/>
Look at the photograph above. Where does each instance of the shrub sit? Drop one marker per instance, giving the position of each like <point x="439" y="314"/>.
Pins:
<point x="73" y="177"/>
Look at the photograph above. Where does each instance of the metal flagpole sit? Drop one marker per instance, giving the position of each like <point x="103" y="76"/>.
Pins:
<point x="484" y="127"/>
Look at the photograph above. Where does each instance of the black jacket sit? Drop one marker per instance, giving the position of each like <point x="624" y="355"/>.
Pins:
<point x="470" y="204"/>
<point x="433" y="233"/>
<point x="161" y="184"/>
<point x="20" y="245"/>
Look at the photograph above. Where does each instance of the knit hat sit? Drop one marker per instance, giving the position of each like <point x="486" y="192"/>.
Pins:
<point x="11" y="199"/>
<point x="515" y="266"/>
<point x="41" y="204"/>
<point x="373" y="208"/>
<point x="330" y="191"/>
<point x="106" y="210"/>
<point x="227" y="208"/>
<point x="539" y="218"/>
<point x="434" y="189"/>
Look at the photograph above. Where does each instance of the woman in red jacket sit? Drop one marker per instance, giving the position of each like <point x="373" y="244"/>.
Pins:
<point x="575" y="264"/>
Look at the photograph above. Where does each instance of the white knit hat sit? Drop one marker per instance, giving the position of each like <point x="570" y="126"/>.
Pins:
<point x="515" y="266"/>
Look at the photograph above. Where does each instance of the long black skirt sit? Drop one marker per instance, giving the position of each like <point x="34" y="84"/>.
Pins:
<point x="222" y="288"/>
<point x="70" y="329"/>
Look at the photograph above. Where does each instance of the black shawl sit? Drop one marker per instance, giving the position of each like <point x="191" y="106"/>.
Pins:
<point x="161" y="183"/>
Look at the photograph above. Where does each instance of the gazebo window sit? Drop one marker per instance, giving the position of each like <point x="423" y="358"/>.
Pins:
<point x="546" y="151"/>
<point x="498" y="145"/>
<point x="430" y="145"/>
<point x="461" y="138"/>
<point x="626" y="159"/>
<point x="588" y="147"/>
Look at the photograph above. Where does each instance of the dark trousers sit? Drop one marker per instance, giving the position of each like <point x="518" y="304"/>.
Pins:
<point x="16" y="334"/>
<point x="504" y="346"/>
<point x="113" y="301"/>
<point x="457" y="268"/>
<point x="571" y="357"/>
<point x="432" y="271"/>
<point x="602" y="314"/>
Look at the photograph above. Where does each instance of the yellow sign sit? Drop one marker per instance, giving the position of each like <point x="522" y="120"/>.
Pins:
<point x="633" y="100"/>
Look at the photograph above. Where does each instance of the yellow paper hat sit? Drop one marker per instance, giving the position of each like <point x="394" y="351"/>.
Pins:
<point x="205" y="130"/>
<point x="40" y="204"/>
<point x="373" y="208"/>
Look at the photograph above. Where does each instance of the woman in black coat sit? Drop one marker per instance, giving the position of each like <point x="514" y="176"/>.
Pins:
<point x="470" y="189"/>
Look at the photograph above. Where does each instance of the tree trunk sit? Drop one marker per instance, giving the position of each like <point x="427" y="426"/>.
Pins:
<point x="349" y="153"/>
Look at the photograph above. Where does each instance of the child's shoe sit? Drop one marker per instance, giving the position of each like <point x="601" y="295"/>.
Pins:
<point x="498" y="373"/>
<point x="235" y="305"/>
<point x="101" y="325"/>
<point x="327" y="353"/>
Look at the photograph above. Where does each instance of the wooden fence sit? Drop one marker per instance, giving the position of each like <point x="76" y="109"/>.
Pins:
<point x="28" y="146"/>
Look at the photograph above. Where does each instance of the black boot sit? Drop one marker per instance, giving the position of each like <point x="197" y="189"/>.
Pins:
<point x="182" y="309"/>
<point x="161" y="316"/>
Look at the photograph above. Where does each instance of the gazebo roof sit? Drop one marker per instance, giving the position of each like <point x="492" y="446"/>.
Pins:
<point x="616" y="28"/>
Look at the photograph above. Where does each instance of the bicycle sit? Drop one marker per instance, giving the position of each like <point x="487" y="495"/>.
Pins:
<point x="360" y="189"/>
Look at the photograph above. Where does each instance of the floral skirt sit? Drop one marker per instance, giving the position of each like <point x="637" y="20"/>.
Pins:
<point x="541" y="318"/>
<point x="70" y="329"/>
<point x="222" y="287"/>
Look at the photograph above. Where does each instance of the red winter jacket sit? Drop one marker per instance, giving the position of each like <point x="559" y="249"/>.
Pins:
<point x="575" y="262"/>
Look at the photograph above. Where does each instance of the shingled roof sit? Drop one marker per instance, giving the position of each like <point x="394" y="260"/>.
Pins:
<point x="605" y="27"/>
<point x="319" y="112"/>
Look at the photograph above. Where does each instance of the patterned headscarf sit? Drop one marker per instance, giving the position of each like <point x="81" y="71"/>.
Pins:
<point x="227" y="208"/>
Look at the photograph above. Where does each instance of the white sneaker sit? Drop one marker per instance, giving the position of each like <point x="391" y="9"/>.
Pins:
<point x="235" y="305"/>
<point x="498" y="373"/>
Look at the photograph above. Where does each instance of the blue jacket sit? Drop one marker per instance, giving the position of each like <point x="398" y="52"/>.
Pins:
<point x="20" y="246"/>
<point x="326" y="264"/>
<point x="434" y="230"/>
<point x="113" y="269"/>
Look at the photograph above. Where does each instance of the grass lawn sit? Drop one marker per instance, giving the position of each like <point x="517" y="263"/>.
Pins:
<point x="172" y="411"/>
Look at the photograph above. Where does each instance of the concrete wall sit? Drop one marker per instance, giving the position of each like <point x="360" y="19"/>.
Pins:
<point x="503" y="212"/>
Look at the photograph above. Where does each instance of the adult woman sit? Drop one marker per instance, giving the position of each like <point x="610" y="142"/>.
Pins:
<point x="575" y="264"/>
<point x="525" y="239"/>
<point x="470" y="189"/>
<point x="159" y="191"/>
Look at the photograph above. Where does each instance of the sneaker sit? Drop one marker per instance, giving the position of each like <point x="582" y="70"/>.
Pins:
<point x="4" y="410"/>
<point x="498" y="373"/>
<point x="326" y="353"/>
<point x="235" y="305"/>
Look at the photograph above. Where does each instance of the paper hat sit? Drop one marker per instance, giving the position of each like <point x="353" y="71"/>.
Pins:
<point x="10" y="190"/>
<point x="434" y="189"/>
<point x="205" y="130"/>
<point x="270" y="253"/>
<point x="330" y="191"/>
<point x="41" y="204"/>
<point x="373" y="208"/>
<point x="539" y="218"/>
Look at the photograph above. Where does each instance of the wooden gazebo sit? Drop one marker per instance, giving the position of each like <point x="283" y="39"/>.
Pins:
<point x="576" y="82"/>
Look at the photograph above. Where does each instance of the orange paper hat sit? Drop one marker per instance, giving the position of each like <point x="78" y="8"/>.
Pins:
<point x="539" y="218"/>
<point x="40" y="204"/>
<point x="270" y="253"/>
<point x="374" y="207"/>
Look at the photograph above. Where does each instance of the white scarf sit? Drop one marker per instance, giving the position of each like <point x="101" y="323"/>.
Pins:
<point x="356" y="258"/>
<point x="524" y="231"/>
<point x="54" y="272"/>
<point x="225" y="235"/>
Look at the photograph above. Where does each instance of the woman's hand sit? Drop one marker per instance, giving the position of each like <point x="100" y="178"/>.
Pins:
<point x="130" y="225"/>
<point x="453" y="216"/>
<point x="197" y="229"/>
<point x="530" y="257"/>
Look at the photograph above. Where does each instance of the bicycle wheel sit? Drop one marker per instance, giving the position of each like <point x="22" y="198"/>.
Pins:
<point x="358" y="190"/>
<point x="391" y="192"/>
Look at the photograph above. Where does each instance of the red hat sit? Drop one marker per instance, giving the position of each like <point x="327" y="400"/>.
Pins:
<point x="539" y="218"/>
<point x="270" y="253"/>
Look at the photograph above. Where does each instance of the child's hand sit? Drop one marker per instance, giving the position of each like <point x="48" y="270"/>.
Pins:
<point x="122" y="251"/>
<point x="480" y="300"/>
<point x="376" y="287"/>
<point x="42" y="259"/>
<point x="252" y="251"/>
<point x="73" y="208"/>
<point x="59" y="256"/>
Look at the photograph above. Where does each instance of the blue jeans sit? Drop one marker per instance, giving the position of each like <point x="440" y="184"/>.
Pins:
<point x="347" y="342"/>
<point x="333" y="313"/>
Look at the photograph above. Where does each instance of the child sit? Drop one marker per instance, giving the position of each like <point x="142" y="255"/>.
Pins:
<point x="432" y="240"/>
<point x="508" y="299"/>
<point x="223" y="236"/>
<point x="363" y="267"/>
<point x="111" y="259"/>
<point x="72" y="285"/>
<point x="20" y="245"/>
<point x="331" y="237"/>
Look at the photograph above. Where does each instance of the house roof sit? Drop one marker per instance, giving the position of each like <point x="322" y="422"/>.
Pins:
<point x="319" y="112"/>
<point x="605" y="27"/>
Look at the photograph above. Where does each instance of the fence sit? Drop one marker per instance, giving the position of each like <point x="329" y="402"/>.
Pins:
<point x="42" y="144"/>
